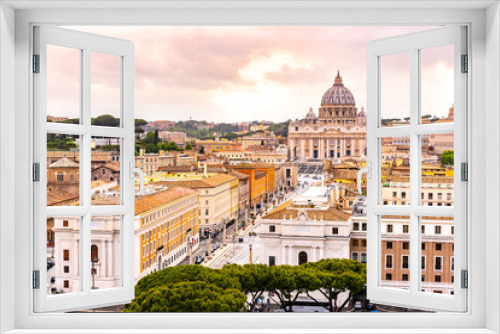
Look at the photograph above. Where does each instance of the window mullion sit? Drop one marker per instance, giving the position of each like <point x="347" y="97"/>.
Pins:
<point x="415" y="158"/>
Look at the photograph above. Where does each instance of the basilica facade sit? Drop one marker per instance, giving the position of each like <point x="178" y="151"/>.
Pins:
<point x="337" y="132"/>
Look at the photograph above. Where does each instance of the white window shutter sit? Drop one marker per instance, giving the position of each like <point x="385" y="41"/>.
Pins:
<point x="72" y="263"/>
<point x="412" y="295"/>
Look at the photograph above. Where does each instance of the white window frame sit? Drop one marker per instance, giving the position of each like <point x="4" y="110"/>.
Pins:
<point x="124" y="50"/>
<point x="14" y="64"/>
<point x="412" y="44"/>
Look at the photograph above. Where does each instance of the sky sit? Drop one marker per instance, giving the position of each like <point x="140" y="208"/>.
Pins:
<point x="236" y="74"/>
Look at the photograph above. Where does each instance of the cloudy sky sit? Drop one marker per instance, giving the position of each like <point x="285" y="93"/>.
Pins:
<point x="234" y="74"/>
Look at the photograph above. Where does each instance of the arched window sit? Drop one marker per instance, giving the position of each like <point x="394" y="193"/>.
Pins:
<point x="94" y="253"/>
<point x="302" y="257"/>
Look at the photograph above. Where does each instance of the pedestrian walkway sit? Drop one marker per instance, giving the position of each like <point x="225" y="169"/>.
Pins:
<point x="218" y="255"/>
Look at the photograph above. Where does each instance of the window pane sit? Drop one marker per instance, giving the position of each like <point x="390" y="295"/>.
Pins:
<point x="395" y="251"/>
<point x="437" y="84"/>
<point x="63" y="249"/>
<point x="395" y="170"/>
<point x="395" y="89"/>
<point x="105" y="89"/>
<point x="105" y="255"/>
<point x="438" y="270"/>
<point x="63" y="84"/>
<point x="105" y="175"/>
<point x="63" y="170"/>
<point x="437" y="170"/>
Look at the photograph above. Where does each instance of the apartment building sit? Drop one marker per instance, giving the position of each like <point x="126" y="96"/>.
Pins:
<point x="258" y="182"/>
<point x="437" y="260"/>
<point x="436" y="191"/>
<point x="244" y="189"/>
<point x="219" y="199"/>
<point x="97" y="156"/>
<point x="149" y="163"/>
<point x="179" y="138"/>
<point x="166" y="227"/>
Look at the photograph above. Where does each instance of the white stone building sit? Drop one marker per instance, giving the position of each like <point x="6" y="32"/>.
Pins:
<point x="307" y="230"/>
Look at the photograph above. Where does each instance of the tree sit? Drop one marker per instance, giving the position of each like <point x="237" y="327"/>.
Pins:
<point x="448" y="158"/>
<point x="138" y="130"/>
<point x="187" y="273"/>
<point x="72" y="121"/>
<point x="189" y="146"/>
<point x="188" y="288"/>
<point x="151" y="148"/>
<point x="291" y="281"/>
<point x="255" y="279"/>
<point x="140" y="122"/>
<point x="231" y="135"/>
<point x="106" y="120"/>
<point x="149" y="139"/>
<point x="202" y="150"/>
<point x="197" y="296"/>
<point x="337" y="276"/>
<point x="427" y="116"/>
<point x="156" y="138"/>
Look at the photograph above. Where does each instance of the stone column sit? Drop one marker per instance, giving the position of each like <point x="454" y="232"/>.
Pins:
<point x="76" y="258"/>
<point x="112" y="258"/>
<point x="302" y="149"/>
<point x="283" y="255"/>
<point x="311" y="147"/>
<point x="318" y="254"/>
<point x="327" y="147"/>
<point x="104" y="260"/>
<point x="290" y="255"/>
<point x="320" y="148"/>
<point x="335" y="147"/>
<point x="322" y="252"/>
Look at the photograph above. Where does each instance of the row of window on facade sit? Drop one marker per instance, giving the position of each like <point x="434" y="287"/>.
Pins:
<point x="406" y="229"/>
<point x="430" y="196"/>
<point x="171" y="208"/>
<point x="405" y="262"/>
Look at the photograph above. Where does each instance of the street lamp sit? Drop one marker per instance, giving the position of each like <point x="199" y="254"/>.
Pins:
<point x="250" y="254"/>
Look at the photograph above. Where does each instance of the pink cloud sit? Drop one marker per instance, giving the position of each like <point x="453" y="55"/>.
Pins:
<point x="184" y="72"/>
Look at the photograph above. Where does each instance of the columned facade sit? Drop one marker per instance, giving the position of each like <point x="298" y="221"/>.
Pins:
<point x="338" y="132"/>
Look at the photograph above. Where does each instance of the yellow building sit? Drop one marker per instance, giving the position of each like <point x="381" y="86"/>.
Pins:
<point x="166" y="226"/>
<point x="215" y="145"/>
<point x="219" y="198"/>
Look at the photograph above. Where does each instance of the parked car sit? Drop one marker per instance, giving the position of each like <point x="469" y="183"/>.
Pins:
<point x="240" y="240"/>
<point x="358" y="305"/>
<point x="200" y="259"/>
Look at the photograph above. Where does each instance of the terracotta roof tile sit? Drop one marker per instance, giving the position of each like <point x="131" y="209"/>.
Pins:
<point x="149" y="202"/>
<point x="64" y="163"/>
